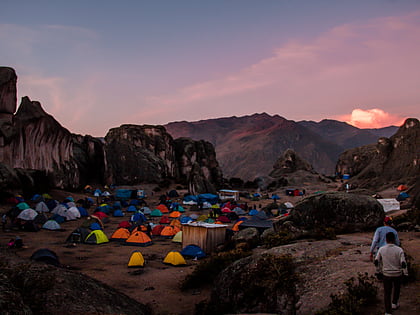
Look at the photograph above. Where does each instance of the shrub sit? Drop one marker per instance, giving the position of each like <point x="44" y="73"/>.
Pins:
<point x="208" y="269"/>
<point x="358" y="294"/>
<point x="278" y="239"/>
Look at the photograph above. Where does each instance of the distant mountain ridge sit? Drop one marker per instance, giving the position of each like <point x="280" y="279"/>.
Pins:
<point x="248" y="146"/>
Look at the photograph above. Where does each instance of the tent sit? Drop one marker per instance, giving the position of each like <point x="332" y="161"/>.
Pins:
<point x="74" y="211"/>
<point x="194" y="216"/>
<point x="173" y="194"/>
<point x="120" y="234"/>
<point x="162" y="208"/>
<point x="236" y="226"/>
<point x="134" y="202"/>
<point x="275" y="197"/>
<point x="186" y="219"/>
<point x="124" y="224"/>
<point x="402" y="196"/>
<point x="157" y="229"/>
<point x="58" y="218"/>
<point x="176" y="223"/>
<point x="202" y="217"/>
<point x="47" y="256"/>
<point x="116" y="205"/>
<point x="139" y="239"/>
<point x="83" y="212"/>
<point x="95" y="226"/>
<point x="146" y="210"/>
<point x="138" y="217"/>
<point x="164" y="220"/>
<point x="41" y="207"/>
<point x="177" y="237"/>
<point x="100" y="215"/>
<point x="22" y="206"/>
<point x="174" y="259"/>
<point x="168" y="232"/>
<point x="27" y="214"/>
<point x="37" y="198"/>
<point x="389" y="204"/>
<point x="118" y="213"/>
<point x="223" y="219"/>
<point x="193" y="251"/>
<point x="78" y="235"/>
<point x="51" y="225"/>
<point x="136" y="260"/>
<point x="96" y="237"/>
<point x="41" y="218"/>
<point x="402" y="187"/>
<point x="123" y="194"/>
<point x="89" y="220"/>
<point x="156" y="213"/>
<point x="253" y="212"/>
<point x="175" y="214"/>
<point x="131" y="208"/>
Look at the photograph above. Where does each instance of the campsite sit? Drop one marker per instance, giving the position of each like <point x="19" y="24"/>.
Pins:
<point x="157" y="282"/>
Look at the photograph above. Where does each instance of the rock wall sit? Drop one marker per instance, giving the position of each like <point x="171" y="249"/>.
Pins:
<point x="8" y="81"/>
<point x="139" y="154"/>
<point x="392" y="160"/>
<point x="290" y="162"/>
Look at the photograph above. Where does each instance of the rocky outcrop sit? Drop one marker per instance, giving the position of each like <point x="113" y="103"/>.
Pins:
<point x="343" y="212"/>
<point x="35" y="288"/>
<point x="391" y="161"/>
<point x="36" y="141"/>
<point x="8" y="81"/>
<point x="140" y="154"/>
<point x="197" y="165"/>
<point x="290" y="162"/>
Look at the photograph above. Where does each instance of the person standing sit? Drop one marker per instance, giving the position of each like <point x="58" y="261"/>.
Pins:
<point x="391" y="266"/>
<point x="379" y="237"/>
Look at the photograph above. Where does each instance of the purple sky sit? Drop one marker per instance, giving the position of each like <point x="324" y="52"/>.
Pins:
<point x="95" y="65"/>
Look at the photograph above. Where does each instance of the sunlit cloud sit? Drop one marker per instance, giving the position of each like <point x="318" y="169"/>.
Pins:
<point x="372" y="118"/>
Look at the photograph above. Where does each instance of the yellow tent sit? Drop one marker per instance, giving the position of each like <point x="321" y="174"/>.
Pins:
<point x="174" y="259"/>
<point x="178" y="237"/>
<point x="136" y="260"/>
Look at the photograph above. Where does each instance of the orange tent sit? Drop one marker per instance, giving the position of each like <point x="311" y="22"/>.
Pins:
<point x="162" y="208"/>
<point x="120" y="234"/>
<point x="175" y="214"/>
<point x="139" y="239"/>
<point x="140" y="228"/>
<point x="236" y="226"/>
<point x="176" y="223"/>
<point x="168" y="232"/>
<point x="402" y="187"/>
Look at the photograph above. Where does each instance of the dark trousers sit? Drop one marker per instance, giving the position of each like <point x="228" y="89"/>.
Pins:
<point x="389" y="284"/>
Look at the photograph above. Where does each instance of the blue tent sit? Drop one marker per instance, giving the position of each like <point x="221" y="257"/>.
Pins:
<point x="131" y="209"/>
<point x="123" y="194"/>
<point x="95" y="226"/>
<point x="118" y="213"/>
<point x="186" y="219"/>
<point x="402" y="196"/>
<point x="116" y="205"/>
<point x="190" y="198"/>
<point x="210" y="198"/>
<point x="275" y="197"/>
<point x="193" y="251"/>
<point x="105" y="209"/>
<point x="135" y="202"/>
<point x="256" y="195"/>
<point x="83" y="212"/>
<point x="97" y="192"/>
<point x="138" y="217"/>
<point x="58" y="218"/>
<point x="253" y="212"/>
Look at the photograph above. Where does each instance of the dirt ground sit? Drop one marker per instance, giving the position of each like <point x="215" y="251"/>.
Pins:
<point x="157" y="284"/>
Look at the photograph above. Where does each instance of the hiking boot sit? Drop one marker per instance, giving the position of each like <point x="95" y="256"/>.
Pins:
<point x="395" y="306"/>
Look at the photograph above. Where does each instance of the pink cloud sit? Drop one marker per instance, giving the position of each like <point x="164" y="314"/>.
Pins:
<point x="372" y="118"/>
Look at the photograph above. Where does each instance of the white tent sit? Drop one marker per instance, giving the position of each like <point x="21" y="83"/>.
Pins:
<point x="41" y="207"/>
<point x="74" y="211"/>
<point x="27" y="214"/>
<point x="389" y="204"/>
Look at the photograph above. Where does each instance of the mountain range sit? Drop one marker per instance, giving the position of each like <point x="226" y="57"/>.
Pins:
<point x="248" y="146"/>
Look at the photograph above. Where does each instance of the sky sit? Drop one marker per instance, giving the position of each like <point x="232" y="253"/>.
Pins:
<point x="98" y="64"/>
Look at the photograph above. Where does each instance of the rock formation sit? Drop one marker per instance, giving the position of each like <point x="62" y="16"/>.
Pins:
<point x="391" y="161"/>
<point x="197" y="165"/>
<point x="8" y="81"/>
<point x="344" y="212"/>
<point x="36" y="141"/>
<point x="290" y="162"/>
<point x="139" y="154"/>
<point x="148" y="154"/>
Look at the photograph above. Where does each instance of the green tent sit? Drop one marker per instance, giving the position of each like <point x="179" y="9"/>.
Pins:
<point x="96" y="237"/>
<point x="156" y="213"/>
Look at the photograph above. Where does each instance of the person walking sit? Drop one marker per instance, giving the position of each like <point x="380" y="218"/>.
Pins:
<point x="391" y="266"/>
<point x="379" y="237"/>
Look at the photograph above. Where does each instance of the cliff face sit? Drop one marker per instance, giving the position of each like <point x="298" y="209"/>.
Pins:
<point x="290" y="162"/>
<point x="36" y="141"/>
<point x="391" y="160"/>
<point x="139" y="154"/>
<point x="148" y="154"/>
<point x="8" y="81"/>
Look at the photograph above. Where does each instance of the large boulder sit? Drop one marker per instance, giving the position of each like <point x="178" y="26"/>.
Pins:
<point x="8" y="81"/>
<point x="290" y="162"/>
<point x="392" y="160"/>
<point x="140" y="154"/>
<point x="338" y="210"/>
<point x="256" y="284"/>
<point x="250" y="236"/>
<point x="197" y="181"/>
